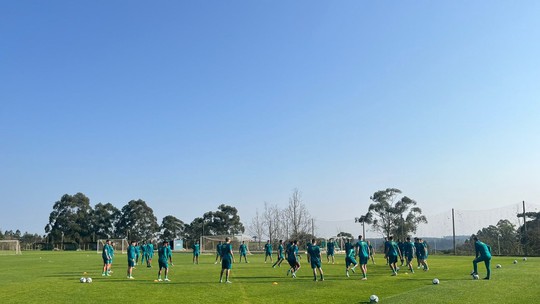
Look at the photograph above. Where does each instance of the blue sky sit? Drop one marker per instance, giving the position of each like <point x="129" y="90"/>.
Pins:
<point x="190" y="104"/>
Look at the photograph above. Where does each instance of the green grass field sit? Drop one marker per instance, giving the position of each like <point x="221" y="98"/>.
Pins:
<point x="53" y="277"/>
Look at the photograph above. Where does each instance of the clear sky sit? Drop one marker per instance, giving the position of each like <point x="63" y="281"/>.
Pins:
<point x="190" y="104"/>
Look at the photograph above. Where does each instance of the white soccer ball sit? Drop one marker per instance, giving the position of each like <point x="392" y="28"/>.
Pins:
<point x="83" y="280"/>
<point x="498" y="266"/>
<point x="475" y="277"/>
<point x="515" y="261"/>
<point x="373" y="299"/>
<point x="524" y="259"/>
<point x="435" y="281"/>
<point x="88" y="280"/>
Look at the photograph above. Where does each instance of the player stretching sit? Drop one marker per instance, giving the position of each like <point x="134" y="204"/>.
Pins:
<point x="349" y="258"/>
<point x="164" y="256"/>
<point x="227" y="258"/>
<point x="408" y="253"/>
<point x="483" y="254"/>
<point x="196" y="252"/>
<point x="314" y="253"/>
<point x="330" y="248"/>
<point x="281" y="257"/>
<point x="243" y="252"/>
<point x="218" y="252"/>
<point x="292" y="258"/>
<point x="268" y="251"/>
<point x="392" y="255"/>
<point x="105" y="254"/>
<point x="363" y="256"/>
<point x="131" y="256"/>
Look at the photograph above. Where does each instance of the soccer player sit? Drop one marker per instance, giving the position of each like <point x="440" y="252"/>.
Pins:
<point x="243" y="252"/>
<point x="143" y="252"/>
<point x="362" y="248"/>
<point x="111" y="254"/>
<point x="392" y="255"/>
<point x="105" y="254"/>
<point x="164" y="256"/>
<point x="417" y="251"/>
<point x="330" y="248"/>
<point x="483" y="254"/>
<point x="314" y="253"/>
<point x="196" y="252"/>
<point x="386" y="248"/>
<point x="268" y="251"/>
<point x="292" y="258"/>
<point x="371" y="252"/>
<point x="281" y="256"/>
<point x="131" y="254"/>
<point x="400" y="246"/>
<point x="423" y="254"/>
<point x="408" y="253"/>
<point x="227" y="258"/>
<point x="218" y="252"/>
<point x="349" y="258"/>
<point x="137" y="253"/>
<point x="149" y="254"/>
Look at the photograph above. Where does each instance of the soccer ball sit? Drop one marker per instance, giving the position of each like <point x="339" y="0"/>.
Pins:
<point x="88" y="280"/>
<point x="515" y="261"/>
<point x="83" y="280"/>
<point x="524" y="259"/>
<point x="373" y="299"/>
<point x="435" y="281"/>
<point x="475" y="277"/>
<point x="498" y="266"/>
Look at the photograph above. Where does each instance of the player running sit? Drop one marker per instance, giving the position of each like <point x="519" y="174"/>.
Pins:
<point x="292" y="258"/>
<point x="268" y="251"/>
<point x="330" y="251"/>
<point x="243" y="252"/>
<point x="392" y="255"/>
<point x="164" y="256"/>
<point x="106" y="258"/>
<point x="349" y="258"/>
<point x="227" y="258"/>
<point x="408" y="253"/>
<point x="281" y="256"/>
<point x="314" y="253"/>
<point x="483" y="254"/>
<point x="362" y="248"/>
<point x="422" y="254"/>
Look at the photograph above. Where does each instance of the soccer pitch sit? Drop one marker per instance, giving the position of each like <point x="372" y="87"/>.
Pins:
<point x="53" y="277"/>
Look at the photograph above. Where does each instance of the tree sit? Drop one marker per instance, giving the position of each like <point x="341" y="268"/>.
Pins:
<point x="345" y="235"/>
<point x="364" y="219"/>
<point x="399" y="218"/>
<point x="200" y="226"/>
<point x="172" y="228"/>
<point x="70" y="219"/>
<point x="256" y="228"/>
<point x="226" y="221"/>
<point x="137" y="221"/>
<point x="529" y="233"/>
<point x="297" y="215"/>
<point x="104" y="220"/>
<point x="271" y="220"/>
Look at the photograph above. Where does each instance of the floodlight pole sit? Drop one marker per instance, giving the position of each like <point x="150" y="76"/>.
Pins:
<point x="454" y="231"/>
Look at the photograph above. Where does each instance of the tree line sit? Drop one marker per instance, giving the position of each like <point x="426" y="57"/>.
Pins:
<point x="73" y="219"/>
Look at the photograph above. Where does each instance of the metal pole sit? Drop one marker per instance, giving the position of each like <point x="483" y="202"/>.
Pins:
<point x="525" y="229"/>
<point x="454" y="231"/>
<point x="363" y="230"/>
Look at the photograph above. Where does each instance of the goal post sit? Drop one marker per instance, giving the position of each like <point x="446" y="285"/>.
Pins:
<point x="10" y="247"/>
<point x="209" y="242"/>
<point x="120" y="245"/>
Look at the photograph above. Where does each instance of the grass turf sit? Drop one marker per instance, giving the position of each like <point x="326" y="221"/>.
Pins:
<point x="53" y="277"/>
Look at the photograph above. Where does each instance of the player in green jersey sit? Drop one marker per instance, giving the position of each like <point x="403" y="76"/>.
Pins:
<point x="483" y="254"/>
<point x="111" y="254"/>
<point x="268" y="251"/>
<point x="227" y="258"/>
<point x="137" y="253"/>
<point x="131" y="255"/>
<point x="281" y="256"/>
<point x="330" y="251"/>
<point x="142" y="248"/>
<point x="243" y="251"/>
<point x="196" y="252"/>
<point x="149" y="254"/>
<point x="362" y="249"/>
<point x="422" y="254"/>
<point x="106" y="258"/>
<point x="408" y="253"/>
<point x="371" y="252"/>
<point x="314" y="253"/>
<point x="218" y="252"/>
<point x="349" y="258"/>
<point x="164" y="256"/>
<point x="392" y="255"/>
<point x="292" y="258"/>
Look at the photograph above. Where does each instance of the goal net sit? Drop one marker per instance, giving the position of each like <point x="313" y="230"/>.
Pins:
<point x="209" y="242"/>
<point x="119" y="245"/>
<point x="10" y="247"/>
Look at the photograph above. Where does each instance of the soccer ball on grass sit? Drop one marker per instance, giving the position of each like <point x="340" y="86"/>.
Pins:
<point x="435" y="281"/>
<point x="475" y="277"/>
<point x="373" y="299"/>
<point x="88" y="280"/>
<point x="498" y="266"/>
<point x="83" y="280"/>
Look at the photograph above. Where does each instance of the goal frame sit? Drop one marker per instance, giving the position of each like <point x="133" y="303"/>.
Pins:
<point x="120" y="247"/>
<point x="15" y="244"/>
